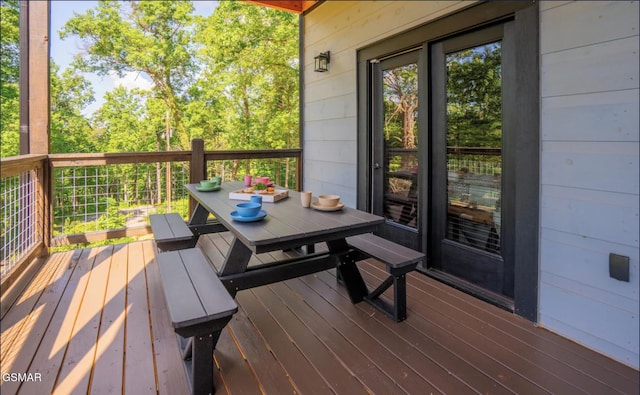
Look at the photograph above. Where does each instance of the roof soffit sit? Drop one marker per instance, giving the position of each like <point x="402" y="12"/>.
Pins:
<point x="296" y="6"/>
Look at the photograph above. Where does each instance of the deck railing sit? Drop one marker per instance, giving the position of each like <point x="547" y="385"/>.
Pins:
<point x="79" y="198"/>
<point x="23" y="211"/>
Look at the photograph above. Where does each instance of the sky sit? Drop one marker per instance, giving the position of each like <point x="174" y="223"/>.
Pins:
<point x="62" y="52"/>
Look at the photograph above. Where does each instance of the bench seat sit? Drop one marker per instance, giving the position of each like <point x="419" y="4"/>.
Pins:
<point x="199" y="307"/>
<point x="399" y="260"/>
<point x="171" y="232"/>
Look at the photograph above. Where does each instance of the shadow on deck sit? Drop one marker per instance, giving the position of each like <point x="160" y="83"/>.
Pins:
<point x="95" y="320"/>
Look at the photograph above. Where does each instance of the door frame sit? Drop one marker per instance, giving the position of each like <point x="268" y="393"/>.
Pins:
<point x="525" y="118"/>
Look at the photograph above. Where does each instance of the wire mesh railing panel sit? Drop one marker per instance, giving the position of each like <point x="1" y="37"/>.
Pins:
<point x="474" y="188"/>
<point x="21" y="217"/>
<point x="116" y="196"/>
<point x="93" y="198"/>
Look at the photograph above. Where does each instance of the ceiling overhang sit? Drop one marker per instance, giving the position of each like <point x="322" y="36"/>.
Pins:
<point x="297" y="6"/>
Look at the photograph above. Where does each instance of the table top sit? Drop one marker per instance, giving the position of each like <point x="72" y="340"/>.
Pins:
<point x="287" y="224"/>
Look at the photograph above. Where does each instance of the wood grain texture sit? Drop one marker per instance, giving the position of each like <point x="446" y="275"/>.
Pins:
<point x="298" y="336"/>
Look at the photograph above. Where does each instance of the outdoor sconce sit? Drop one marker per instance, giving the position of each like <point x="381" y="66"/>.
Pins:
<point x="322" y="62"/>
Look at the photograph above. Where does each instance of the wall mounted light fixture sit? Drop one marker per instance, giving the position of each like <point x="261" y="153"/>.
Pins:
<point x="322" y="62"/>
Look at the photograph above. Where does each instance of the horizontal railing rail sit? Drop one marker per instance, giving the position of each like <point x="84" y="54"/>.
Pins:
<point x="104" y="196"/>
<point x="90" y="197"/>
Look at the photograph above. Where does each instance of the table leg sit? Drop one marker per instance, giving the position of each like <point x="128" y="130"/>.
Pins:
<point x="236" y="261"/>
<point x="348" y="272"/>
<point x="199" y="216"/>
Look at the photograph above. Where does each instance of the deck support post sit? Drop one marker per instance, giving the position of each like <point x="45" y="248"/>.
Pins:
<point x="197" y="168"/>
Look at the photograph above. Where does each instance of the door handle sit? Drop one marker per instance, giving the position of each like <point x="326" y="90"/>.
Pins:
<point x="376" y="166"/>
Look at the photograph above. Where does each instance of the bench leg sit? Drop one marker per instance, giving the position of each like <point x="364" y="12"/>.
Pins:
<point x="400" y="297"/>
<point x="397" y="311"/>
<point x="202" y="364"/>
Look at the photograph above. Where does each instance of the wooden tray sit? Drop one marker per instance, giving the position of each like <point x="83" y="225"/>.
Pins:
<point x="271" y="197"/>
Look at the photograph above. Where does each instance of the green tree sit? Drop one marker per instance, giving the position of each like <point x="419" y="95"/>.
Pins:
<point x="119" y="125"/>
<point x="9" y="78"/>
<point x="153" y="37"/>
<point x="70" y="130"/>
<point x="474" y="97"/>
<point x="250" y="57"/>
<point x="401" y="104"/>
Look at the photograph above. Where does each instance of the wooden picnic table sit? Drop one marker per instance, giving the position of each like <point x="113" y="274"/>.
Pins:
<point x="287" y="225"/>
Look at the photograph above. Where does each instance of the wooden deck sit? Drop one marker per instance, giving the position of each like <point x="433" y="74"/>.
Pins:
<point x="95" y="320"/>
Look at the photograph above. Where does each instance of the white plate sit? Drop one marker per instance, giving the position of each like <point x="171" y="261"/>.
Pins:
<point x="317" y="206"/>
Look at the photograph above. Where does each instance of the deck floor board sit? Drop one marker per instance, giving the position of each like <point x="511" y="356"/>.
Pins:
<point x="77" y="364"/>
<point x="169" y="367"/>
<point x="95" y="321"/>
<point x="50" y="358"/>
<point x="266" y="368"/>
<point x="111" y="338"/>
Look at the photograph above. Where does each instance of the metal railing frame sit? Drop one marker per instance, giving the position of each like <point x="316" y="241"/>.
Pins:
<point x="44" y="165"/>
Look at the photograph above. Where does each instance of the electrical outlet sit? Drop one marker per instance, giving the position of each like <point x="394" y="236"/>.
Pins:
<point x="619" y="267"/>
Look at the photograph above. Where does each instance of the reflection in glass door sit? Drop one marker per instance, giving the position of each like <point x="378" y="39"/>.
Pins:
<point x="396" y="148"/>
<point x="400" y="95"/>
<point x="468" y="211"/>
<point x="474" y="141"/>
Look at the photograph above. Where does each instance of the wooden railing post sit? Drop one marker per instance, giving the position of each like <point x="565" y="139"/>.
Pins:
<point x="198" y="167"/>
<point x="46" y="189"/>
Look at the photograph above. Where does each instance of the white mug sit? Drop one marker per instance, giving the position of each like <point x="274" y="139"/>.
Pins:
<point x="305" y="198"/>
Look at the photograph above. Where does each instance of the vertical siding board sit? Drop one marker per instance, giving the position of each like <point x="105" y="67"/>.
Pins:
<point x="589" y="173"/>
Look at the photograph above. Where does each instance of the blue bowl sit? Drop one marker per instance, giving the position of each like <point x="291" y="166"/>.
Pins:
<point x="249" y="209"/>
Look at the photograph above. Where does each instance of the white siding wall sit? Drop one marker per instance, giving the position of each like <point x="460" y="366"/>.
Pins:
<point x="590" y="173"/>
<point x="589" y="159"/>
<point x="330" y="99"/>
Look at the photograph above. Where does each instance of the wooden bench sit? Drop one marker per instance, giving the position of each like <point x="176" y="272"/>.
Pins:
<point x="171" y="232"/>
<point x="399" y="261"/>
<point x="199" y="307"/>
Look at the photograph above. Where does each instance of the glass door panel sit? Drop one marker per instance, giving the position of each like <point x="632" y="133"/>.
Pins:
<point x="474" y="146"/>
<point x="467" y="174"/>
<point x="400" y="100"/>
<point x="395" y="138"/>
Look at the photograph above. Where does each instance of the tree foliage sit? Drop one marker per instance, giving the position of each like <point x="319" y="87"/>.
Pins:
<point x="152" y="37"/>
<point x="9" y="77"/>
<point x="70" y="130"/>
<point x="250" y="67"/>
<point x="401" y="105"/>
<point x="474" y="97"/>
